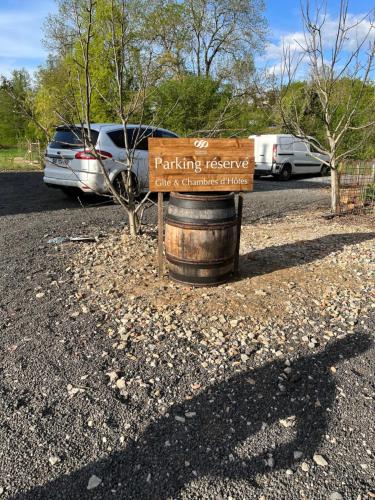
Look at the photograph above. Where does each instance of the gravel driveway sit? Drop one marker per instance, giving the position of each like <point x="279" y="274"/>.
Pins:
<point x="70" y="430"/>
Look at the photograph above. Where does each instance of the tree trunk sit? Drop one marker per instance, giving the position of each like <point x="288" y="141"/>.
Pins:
<point x="335" y="190"/>
<point x="133" y="223"/>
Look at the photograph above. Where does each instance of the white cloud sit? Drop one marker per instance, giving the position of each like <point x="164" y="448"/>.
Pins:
<point x="295" y="42"/>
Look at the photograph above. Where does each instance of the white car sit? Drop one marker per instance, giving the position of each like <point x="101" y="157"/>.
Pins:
<point x="69" y="166"/>
<point x="284" y="155"/>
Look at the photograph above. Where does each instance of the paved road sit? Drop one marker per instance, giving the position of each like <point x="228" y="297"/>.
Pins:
<point x="24" y="193"/>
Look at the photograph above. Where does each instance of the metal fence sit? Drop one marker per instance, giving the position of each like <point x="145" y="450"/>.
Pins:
<point x="357" y="186"/>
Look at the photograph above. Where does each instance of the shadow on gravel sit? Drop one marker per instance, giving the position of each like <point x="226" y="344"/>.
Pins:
<point x="201" y="436"/>
<point x="274" y="258"/>
<point x="25" y="192"/>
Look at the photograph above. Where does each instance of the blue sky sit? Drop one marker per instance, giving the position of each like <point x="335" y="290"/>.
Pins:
<point x="21" y="29"/>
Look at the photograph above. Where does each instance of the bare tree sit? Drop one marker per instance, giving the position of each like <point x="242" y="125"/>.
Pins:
<point x="339" y="66"/>
<point x="228" y="30"/>
<point x="125" y="102"/>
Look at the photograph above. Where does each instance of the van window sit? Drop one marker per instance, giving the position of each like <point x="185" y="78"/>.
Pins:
<point x="70" y="138"/>
<point x="286" y="143"/>
<point x="300" y="146"/>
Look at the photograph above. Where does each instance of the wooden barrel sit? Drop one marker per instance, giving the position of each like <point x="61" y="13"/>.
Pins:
<point x="200" y="237"/>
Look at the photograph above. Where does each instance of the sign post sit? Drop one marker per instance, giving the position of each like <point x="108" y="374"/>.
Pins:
<point x="160" y="235"/>
<point x="193" y="165"/>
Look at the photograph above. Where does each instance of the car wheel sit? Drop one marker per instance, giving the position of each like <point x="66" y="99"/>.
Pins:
<point x="325" y="170"/>
<point x="119" y="186"/>
<point x="285" y="174"/>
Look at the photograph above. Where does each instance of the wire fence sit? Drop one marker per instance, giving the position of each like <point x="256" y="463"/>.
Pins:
<point x="357" y="186"/>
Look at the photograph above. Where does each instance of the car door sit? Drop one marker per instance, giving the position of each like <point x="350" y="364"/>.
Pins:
<point x="139" y="140"/>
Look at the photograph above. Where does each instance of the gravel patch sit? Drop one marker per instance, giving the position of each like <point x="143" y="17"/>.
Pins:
<point x="115" y="384"/>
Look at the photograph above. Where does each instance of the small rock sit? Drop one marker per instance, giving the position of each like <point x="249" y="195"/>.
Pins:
<point x="40" y="295"/>
<point x="190" y="414"/>
<point x="336" y="496"/>
<point x="233" y="323"/>
<point x="270" y="462"/>
<point x="120" y="383"/>
<point x="333" y="370"/>
<point x="180" y="419"/>
<point x="113" y="376"/>
<point x="244" y="358"/>
<point x="297" y="455"/>
<point x="94" y="482"/>
<point x="288" y="422"/>
<point x="72" y="391"/>
<point x="54" y="460"/>
<point x="305" y="467"/>
<point x="289" y="472"/>
<point x="319" y="460"/>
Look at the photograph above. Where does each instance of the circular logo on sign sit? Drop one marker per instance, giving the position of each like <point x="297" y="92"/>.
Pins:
<point x="201" y="144"/>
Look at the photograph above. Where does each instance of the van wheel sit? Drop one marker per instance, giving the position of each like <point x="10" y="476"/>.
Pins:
<point x="285" y="174"/>
<point x="325" y="171"/>
<point x="118" y="184"/>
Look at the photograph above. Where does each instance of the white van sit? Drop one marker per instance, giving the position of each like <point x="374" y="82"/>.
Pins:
<point x="284" y="155"/>
<point x="70" y="167"/>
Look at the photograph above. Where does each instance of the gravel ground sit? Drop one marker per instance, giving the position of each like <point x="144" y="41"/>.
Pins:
<point x="117" y="385"/>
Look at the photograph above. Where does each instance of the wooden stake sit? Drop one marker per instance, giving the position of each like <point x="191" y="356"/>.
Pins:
<point x="239" y="223"/>
<point x="160" y="235"/>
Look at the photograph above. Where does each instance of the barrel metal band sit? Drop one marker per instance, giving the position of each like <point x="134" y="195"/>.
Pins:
<point x="204" y="264"/>
<point x="209" y="204"/>
<point x="194" y="196"/>
<point x="203" y="226"/>
<point x="200" y="280"/>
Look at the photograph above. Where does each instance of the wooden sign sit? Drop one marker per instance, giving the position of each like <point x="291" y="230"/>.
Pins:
<point x="201" y="164"/>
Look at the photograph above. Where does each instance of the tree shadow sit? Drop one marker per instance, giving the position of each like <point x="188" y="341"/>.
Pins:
<point x="202" y="437"/>
<point x="276" y="257"/>
<point x="25" y="192"/>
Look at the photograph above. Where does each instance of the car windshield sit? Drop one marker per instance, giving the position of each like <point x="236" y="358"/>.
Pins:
<point x="70" y="138"/>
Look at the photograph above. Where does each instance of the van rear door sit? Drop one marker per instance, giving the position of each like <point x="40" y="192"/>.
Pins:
<point x="263" y="152"/>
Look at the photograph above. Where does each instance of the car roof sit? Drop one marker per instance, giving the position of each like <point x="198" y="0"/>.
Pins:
<point x="109" y="127"/>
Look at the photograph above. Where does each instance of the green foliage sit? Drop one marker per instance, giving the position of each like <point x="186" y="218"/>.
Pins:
<point x="189" y="104"/>
<point x="14" y="126"/>
<point x="301" y="105"/>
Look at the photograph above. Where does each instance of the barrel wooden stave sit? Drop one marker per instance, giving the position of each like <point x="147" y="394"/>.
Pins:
<point x="200" y="238"/>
